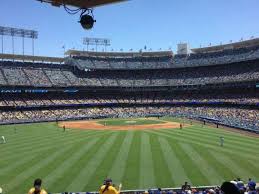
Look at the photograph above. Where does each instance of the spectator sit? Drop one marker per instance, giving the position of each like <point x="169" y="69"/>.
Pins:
<point x="108" y="188"/>
<point x="240" y="183"/>
<point x="186" y="187"/>
<point x="37" y="188"/>
<point x="211" y="191"/>
<point x="251" y="184"/>
<point x="158" y="191"/>
<point x="229" y="188"/>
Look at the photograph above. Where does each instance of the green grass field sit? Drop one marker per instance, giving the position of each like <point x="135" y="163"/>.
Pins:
<point x="120" y="122"/>
<point x="79" y="160"/>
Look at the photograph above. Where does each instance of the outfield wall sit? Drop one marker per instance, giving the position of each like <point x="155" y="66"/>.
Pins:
<point x="140" y="191"/>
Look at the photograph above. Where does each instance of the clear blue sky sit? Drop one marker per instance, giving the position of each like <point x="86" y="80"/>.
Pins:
<point x="134" y="24"/>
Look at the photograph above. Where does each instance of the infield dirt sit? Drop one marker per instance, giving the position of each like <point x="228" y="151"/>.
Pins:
<point x="94" y="125"/>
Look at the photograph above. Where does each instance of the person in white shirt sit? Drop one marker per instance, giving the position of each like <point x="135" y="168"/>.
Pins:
<point x="3" y="139"/>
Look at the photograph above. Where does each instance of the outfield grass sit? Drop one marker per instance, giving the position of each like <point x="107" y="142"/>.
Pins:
<point x="78" y="160"/>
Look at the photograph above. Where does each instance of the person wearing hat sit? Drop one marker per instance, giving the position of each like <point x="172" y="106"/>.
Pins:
<point x="186" y="186"/>
<point x="108" y="188"/>
<point x="229" y="188"/>
<point x="211" y="191"/>
<point x="37" y="188"/>
<point x="251" y="184"/>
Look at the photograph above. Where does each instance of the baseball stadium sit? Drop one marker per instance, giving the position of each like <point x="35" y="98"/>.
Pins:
<point x="148" y="120"/>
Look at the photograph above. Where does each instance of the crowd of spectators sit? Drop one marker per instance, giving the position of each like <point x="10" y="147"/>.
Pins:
<point x="18" y="75"/>
<point x="37" y="76"/>
<point x="236" y="186"/>
<point x="236" y="117"/>
<point x="222" y="57"/>
<point x="57" y="77"/>
<point x="247" y="98"/>
<point x="177" y="77"/>
<point x="190" y="60"/>
<point x="120" y="62"/>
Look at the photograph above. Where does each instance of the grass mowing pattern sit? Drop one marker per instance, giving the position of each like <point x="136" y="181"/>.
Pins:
<point x="79" y="160"/>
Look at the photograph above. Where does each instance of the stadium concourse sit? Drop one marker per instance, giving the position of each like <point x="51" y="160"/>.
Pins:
<point x="217" y="85"/>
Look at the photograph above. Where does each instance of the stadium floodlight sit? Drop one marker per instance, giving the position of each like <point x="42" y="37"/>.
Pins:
<point x="97" y="42"/>
<point x="18" y="32"/>
<point x="87" y="20"/>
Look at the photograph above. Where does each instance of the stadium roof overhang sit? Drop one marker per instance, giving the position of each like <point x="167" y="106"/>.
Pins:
<point x="80" y="3"/>
<point x="236" y="45"/>
<point x="29" y="58"/>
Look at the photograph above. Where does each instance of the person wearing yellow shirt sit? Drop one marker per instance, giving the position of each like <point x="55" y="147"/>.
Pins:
<point x="37" y="188"/>
<point x="108" y="188"/>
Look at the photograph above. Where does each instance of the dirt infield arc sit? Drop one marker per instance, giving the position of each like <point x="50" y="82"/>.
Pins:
<point x="94" y="125"/>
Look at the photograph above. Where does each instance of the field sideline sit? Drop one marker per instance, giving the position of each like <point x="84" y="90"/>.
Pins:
<point x="79" y="160"/>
